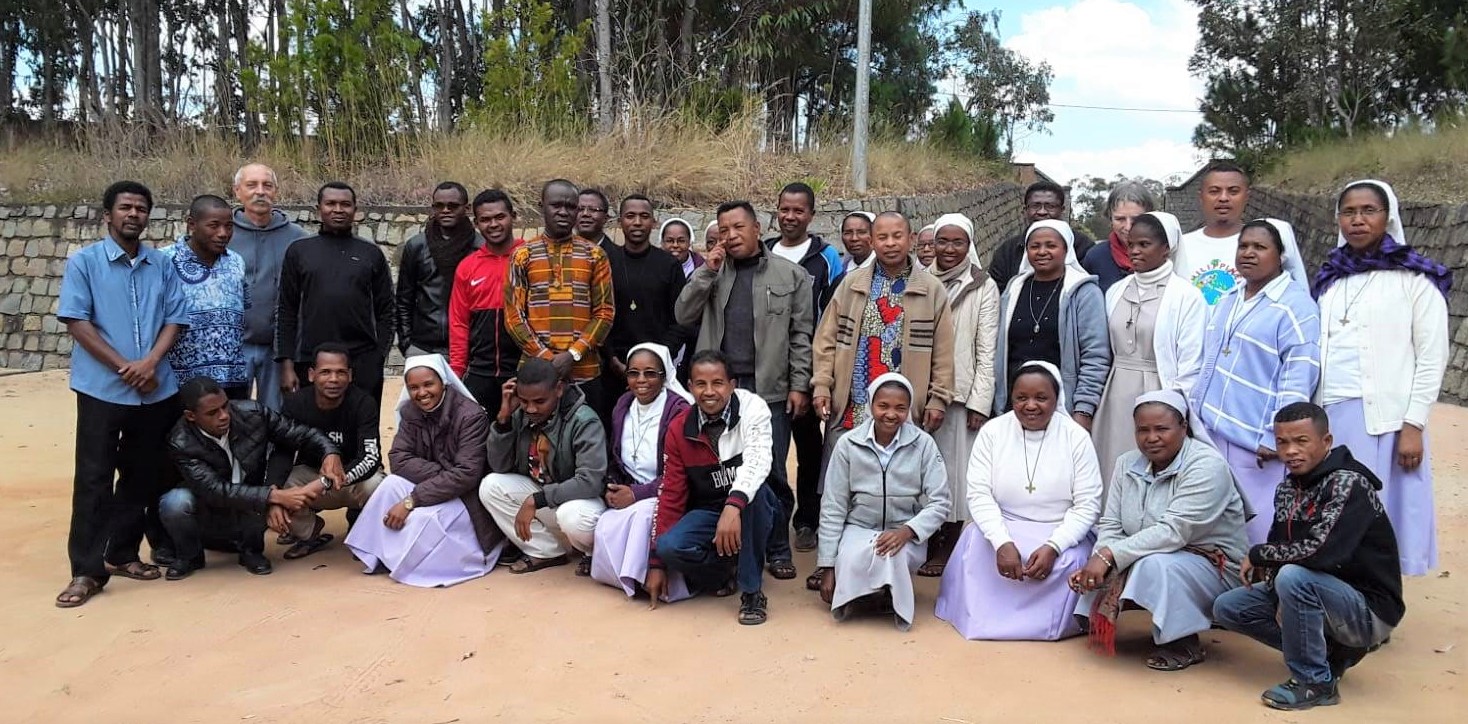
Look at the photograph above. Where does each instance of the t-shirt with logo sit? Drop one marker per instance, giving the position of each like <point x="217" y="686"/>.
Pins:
<point x="1208" y="263"/>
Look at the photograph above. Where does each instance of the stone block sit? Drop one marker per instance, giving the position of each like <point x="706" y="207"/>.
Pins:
<point x="48" y="343"/>
<point x="32" y="343"/>
<point x="40" y="286"/>
<point x="15" y="248"/>
<point x="18" y="285"/>
<point x="51" y="325"/>
<point x="32" y="323"/>
<point x="31" y="361"/>
<point x="10" y="304"/>
<point x="63" y="344"/>
<point x="8" y="229"/>
<point x="54" y="290"/>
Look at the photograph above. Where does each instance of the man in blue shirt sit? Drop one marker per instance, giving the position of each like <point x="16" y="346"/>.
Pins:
<point x="123" y="305"/>
<point x="217" y="294"/>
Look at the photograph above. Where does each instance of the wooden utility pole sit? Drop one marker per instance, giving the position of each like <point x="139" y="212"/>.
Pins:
<point x="604" y="64"/>
<point x="863" y="96"/>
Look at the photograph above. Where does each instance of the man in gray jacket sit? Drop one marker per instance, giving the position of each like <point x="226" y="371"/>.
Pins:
<point x="756" y="309"/>
<point x="261" y="236"/>
<point x="548" y="455"/>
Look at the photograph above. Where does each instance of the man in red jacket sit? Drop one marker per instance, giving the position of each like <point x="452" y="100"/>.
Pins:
<point x="481" y="350"/>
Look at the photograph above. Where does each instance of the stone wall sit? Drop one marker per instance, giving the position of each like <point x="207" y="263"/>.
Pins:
<point x="1438" y="231"/>
<point x="35" y="242"/>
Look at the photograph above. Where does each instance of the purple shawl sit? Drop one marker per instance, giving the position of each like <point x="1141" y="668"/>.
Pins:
<point x="1389" y="255"/>
<point x="615" y="472"/>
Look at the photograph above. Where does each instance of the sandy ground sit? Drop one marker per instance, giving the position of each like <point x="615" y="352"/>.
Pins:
<point x="320" y="642"/>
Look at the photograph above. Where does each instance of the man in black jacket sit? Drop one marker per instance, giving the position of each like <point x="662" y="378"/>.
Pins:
<point x="1332" y="587"/>
<point x="426" y="266"/>
<point x="228" y="498"/>
<point x="1043" y="200"/>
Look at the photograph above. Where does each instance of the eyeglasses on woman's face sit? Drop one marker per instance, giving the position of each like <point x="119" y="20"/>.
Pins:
<point x="643" y="374"/>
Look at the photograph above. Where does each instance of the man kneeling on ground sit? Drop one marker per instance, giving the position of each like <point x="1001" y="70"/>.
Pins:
<point x="1332" y="588"/>
<point x="549" y="457"/>
<point x="349" y="417"/>
<point x="714" y="510"/>
<point x="228" y="497"/>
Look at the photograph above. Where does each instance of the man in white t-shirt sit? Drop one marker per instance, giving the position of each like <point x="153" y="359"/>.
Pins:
<point x="1206" y="257"/>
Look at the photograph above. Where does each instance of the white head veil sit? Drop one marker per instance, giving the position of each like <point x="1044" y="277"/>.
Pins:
<point x="440" y="366"/>
<point x="1171" y="227"/>
<point x="891" y="377"/>
<point x="676" y="220"/>
<point x="966" y="225"/>
<point x="670" y="373"/>
<point x="1175" y="400"/>
<point x="1394" y="226"/>
<point x="1066" y="233"/>
<point x="1290" y="258"/>
<point x="1049" y="369"/>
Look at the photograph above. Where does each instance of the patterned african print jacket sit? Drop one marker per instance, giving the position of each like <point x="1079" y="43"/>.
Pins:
<point x="923" y="329"/>
<point x="559" y="299"/>
<point x="213" y="343"/>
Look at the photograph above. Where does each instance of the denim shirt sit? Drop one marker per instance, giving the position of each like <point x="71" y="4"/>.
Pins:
<point x="129" y="302"/>
<point x="217" y="297"/>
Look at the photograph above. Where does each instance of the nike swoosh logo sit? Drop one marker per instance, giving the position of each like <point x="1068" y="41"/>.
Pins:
<point x="475" y="282"/>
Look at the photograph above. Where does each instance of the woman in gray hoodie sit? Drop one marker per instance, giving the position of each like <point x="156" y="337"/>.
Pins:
<point x="886" y="494"/>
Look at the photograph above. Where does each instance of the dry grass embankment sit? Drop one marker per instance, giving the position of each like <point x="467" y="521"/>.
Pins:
<point x="675" y="163"/>
<point x="1429" y="167"/>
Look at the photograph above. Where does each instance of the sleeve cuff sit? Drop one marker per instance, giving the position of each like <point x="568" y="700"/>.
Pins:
<point x="737" y="499"/>
<point x="540" y="501"/>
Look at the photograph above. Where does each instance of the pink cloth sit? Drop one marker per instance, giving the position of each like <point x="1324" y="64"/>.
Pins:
<point x="436" y="546"/>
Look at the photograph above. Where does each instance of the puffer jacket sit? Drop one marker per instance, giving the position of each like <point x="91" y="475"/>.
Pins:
<point x="253" y="429"/>
<point x="578" y="451"/>
<point x="422" y="315"/>
<point x="911" y="489"/>
<point x="442" y="453"/>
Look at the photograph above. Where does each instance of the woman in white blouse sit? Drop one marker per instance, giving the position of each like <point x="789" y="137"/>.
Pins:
<point x="1034" y="491"/>
<point x="1383" y="351"/>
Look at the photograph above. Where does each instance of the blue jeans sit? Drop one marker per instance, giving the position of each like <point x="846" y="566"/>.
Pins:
<point x="264" y="371"/>
<point x="194" y="526"/>
<point x="1312" y="607"/>
<point x="688" y="548"/>
<point x="778" y="547"/>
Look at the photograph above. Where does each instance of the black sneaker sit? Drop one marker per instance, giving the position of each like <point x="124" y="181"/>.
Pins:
<point x="1294" y="696"/>
<point x="255" y="562"/>
<point x="753" y="608"/>
<point x="179" y="570"/>
<point x="805" y="539"/>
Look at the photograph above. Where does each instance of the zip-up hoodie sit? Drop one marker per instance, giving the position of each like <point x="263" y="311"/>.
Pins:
<point x="1330" y="520"/>
<point x="263" y="249"/>
<point x="698" y="477"/>
<point x="578" y="450"/>
<point x="826" y="269"/>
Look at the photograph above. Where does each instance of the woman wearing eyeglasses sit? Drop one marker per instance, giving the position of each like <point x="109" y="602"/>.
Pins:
<point x="1383" y="350"/>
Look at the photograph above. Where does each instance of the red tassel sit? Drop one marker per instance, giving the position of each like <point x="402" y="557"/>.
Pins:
<point x="1103" y="634"/>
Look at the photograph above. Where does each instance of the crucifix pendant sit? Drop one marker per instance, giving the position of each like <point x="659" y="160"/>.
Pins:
<point x="633" y="307"/>
<point x="1345" y="320"/>
<point x="1030" y="488"/>
<point x="1226" y="350"/>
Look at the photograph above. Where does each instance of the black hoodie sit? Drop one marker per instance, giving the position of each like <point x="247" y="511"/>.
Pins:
<point x="1330" y="520"/>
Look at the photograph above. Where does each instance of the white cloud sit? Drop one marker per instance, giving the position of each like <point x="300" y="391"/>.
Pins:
<point x="1157" y="159"/>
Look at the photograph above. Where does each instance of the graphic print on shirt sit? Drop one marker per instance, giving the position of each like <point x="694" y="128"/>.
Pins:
<point x="1214" y="280"/>
<point x="539" y="454"/>
<point x="880" y="341"/>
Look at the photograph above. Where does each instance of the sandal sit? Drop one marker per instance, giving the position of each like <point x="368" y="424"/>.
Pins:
<point x="306" y="547"/>
<point x="753" y="609"/>
<point x="136" y="570"/>
<point x="932" y="569"/>
<point x="783" y="570"/>
<point x="814" y="580"/>
<point x="583" y="568"/>
<point x="286" y="539"/>
<point x="1177" y="655"/>
<point x="531" y="565"/>
<point x="729" y="588"/>
<point x="79" y="591"/>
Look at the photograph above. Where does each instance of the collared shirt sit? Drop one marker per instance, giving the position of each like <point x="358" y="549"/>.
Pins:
<point x="217" y="297"/>
<point x="129" y="302"/>
<point x="559" y="299"/>
<point x="884" y="453"/>
<point x="235" y="476"/>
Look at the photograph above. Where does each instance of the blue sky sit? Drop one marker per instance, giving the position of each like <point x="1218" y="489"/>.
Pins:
<point x="1120" y="53"/>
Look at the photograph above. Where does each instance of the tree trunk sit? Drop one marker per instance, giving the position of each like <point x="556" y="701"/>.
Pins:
<point x="446" y="61"/>
<point x="224" y="67"/>
<point x="604" y="64"/>
<point x="685" y="38"/>
<point x="9" y="51"/>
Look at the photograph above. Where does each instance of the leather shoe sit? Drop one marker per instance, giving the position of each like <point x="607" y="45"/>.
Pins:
<point x="179" y="570"/>
<point x="255" y="562"/>
<point x="164" y="557"/>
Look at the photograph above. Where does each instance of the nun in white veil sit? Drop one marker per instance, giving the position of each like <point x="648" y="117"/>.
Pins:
<point x="424" y="523"/>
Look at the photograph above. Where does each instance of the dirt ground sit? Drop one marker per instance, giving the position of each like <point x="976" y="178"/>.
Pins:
<point x="320" y="642"/>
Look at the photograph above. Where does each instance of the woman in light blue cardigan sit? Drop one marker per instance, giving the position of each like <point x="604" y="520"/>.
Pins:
<point x="1260" y="352"/>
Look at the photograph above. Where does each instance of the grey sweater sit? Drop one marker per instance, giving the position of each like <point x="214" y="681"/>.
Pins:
<point x="911" y="490"/>
<point x="578" y="451"/>
<point x="1193" y="502"/>
<point x="1085" y="343"/>
<point x="263" y="249"/>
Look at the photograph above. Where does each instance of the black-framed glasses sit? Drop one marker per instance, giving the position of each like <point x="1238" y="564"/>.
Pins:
<point x="643" y="374"/>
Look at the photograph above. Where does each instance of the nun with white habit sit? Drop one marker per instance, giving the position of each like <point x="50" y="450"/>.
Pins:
<point x="1156" y="321"/>
<point x="886" y="494"/>
<point x="424" y="523"/>
<point x="640" y="422"/>
<point x="1034" y="491"/>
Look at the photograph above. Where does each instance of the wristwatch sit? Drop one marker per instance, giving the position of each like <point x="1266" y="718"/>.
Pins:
<point x="326" y="484"/>
<point x="574" y="354"/>
<point x="408" y="503"/>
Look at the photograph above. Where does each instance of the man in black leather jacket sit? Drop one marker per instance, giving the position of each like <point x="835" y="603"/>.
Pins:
<point x="220" y="448"/>
<point x="426" y="266"/>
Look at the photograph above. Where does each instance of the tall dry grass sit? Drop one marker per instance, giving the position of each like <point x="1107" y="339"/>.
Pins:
<point x="1421" y="165"/>
<point x="671" y="159"/>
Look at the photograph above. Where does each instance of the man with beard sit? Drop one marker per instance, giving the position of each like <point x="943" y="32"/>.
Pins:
<point x="426" y="269"/>
<point x="558" y="302"/>
<point x="335" y="287"/>
<point x="1043" y="200"/>
<point x="213" y="281"/>
<point x="481" y="350"/>
<point x="591" y="218"/>
<point x="646" y="282"/>
<point x="261" y="236"/>
<point x="124" y="308"/>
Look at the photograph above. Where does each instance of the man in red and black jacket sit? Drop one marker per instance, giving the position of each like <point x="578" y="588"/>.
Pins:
<point x="714" y="510"/>
<point x="481" y="350"/>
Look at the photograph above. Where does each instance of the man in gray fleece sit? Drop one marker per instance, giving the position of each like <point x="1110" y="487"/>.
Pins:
<point x="261" y="236"/>
<point x="548" y="455"/>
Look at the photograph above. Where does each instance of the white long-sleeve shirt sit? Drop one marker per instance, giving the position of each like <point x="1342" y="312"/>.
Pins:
<point x="1066" y="479"/>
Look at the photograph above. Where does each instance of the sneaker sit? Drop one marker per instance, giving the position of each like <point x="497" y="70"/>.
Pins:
<point x="180" y="569"/>
<point x="805" y="539"/>
<point x="1295" y="696"/>
<point x="753" y="608"/>
<point x="255" y="562"/>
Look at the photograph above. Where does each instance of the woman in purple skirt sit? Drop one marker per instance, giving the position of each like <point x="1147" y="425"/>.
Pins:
<point x="1034" y="491"/>
<point x="425" y="523"/>
<point x="1384" y="348"/>
<point x="639" y="424"/>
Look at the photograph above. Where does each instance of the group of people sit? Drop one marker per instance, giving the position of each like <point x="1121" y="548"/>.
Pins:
<point x="1185" y="424"/>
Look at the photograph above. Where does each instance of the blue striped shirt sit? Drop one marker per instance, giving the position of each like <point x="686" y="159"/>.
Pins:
<point x="1258" y="356"/>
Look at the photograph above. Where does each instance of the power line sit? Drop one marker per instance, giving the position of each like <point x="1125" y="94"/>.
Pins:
<point x="1093" y="108"/>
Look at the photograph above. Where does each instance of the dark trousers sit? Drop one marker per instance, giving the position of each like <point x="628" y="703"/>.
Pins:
<point x="237" y="393"/>
<point x="809" y="448"/>
<point x="613" y="386"/>
<point x="778" y="481"/>
<point x="122" y="468"/>
<point x="688" y="547"/>
<point x="196" y="526"/>
<point x="487" y="390"/>
<point x="595" y="395"/>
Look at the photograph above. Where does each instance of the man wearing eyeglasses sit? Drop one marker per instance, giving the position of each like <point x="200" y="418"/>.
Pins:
<point x="1043" y="200"/>
<point x="592" y="209"/>
<point x="426" y="266"/>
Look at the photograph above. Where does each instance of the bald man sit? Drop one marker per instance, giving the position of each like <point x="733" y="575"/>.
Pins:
<point x="261" y="236"/>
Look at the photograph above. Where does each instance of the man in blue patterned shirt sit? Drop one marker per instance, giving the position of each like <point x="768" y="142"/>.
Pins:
<point x="217" y="294"/>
